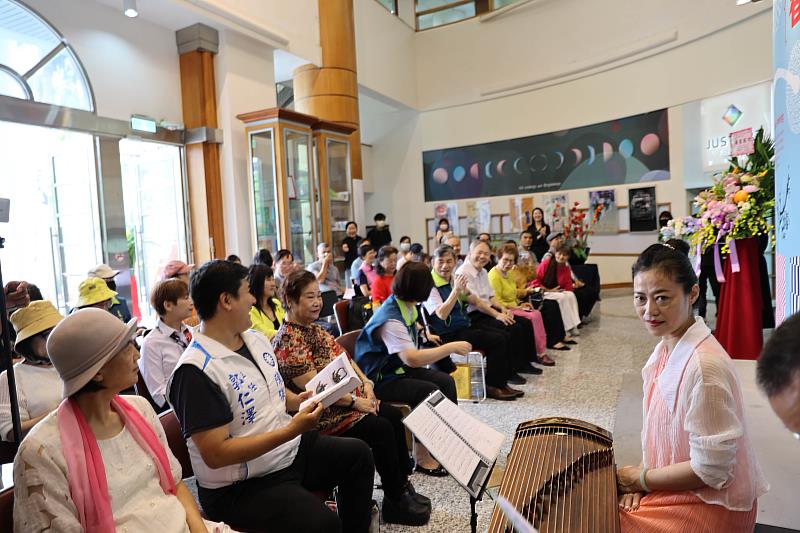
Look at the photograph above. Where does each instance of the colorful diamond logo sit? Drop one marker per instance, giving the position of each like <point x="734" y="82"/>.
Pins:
<point x="732" y="115"/>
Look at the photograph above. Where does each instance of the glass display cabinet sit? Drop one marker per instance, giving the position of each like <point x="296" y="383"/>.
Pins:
<point x="299" y="181"/>
<point x="333" y="165"/>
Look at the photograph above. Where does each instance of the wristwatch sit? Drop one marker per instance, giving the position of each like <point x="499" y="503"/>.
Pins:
<point x="352" y="401"/>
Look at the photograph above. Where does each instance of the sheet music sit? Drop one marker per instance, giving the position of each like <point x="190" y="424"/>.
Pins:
<point x="451" y="435"/>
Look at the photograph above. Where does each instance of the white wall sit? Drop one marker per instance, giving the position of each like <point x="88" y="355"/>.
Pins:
<point x="132" y="64"/>
<point x="695" y="70"/>
<point x="245" y="82"/>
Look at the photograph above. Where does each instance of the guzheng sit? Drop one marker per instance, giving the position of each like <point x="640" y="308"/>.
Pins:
<point x="561" y="476"/>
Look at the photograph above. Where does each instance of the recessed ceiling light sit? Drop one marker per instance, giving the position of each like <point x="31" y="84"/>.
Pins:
<point x="129" y="8"/>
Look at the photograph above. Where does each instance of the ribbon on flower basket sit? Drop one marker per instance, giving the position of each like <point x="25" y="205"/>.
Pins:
<point x="717" y="261"/>
<point x="734" y="256"/>
<point x="698" y="258"/>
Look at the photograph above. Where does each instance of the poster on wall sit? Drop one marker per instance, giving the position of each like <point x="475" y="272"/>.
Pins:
<point x="608" y="217"/>
<point x="479" y="217"/>
<point x="520" y="210"/>
<point x="627" y="150"/>
<point x="786" y="102"/>
<point x="642" y="209"/>
<point x="448" y="211"/>
<point x="555" y="211"/>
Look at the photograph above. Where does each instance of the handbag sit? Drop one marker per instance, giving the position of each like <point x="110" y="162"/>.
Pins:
<point x="359" y="311"/>
<point x="536" y="299"/>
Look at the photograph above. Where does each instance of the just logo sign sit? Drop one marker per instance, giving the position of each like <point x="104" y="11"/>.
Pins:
<point x="718" y="142"/>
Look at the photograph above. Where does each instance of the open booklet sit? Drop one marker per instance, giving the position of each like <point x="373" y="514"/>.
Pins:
<point x="465" y="446"/>
<point x="332" y="382"/>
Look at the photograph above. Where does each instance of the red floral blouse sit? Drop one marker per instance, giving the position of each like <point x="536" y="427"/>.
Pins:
<point x="301" y="349"/>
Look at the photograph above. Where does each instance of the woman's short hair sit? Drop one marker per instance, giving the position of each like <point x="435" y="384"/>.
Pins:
<point x="210" y="281"/>
<point x="413" y="282"/>
<point x="294" y="285"/>
<point x="168" y="290"/>
<point x="256" y="276"/>
<point x="669" y="262"/>
<point x="353" y="222"/>
<point x="364" y="249"/>
<point x="383" y="253"/>
<point x="564" y="248"/>
<point x="510" y="249"/>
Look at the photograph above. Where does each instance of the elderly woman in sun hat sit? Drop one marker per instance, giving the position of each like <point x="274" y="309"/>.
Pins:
<point x="100" y="462"/>
<point x="37" y="382"/>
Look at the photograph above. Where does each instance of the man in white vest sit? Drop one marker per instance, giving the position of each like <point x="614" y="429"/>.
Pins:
<point x="255" y="464"/>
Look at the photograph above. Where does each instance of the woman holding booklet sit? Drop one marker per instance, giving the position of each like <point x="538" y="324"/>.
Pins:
<point x="303" y="349"/>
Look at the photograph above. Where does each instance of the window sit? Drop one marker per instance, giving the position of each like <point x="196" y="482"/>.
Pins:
<point x="390" y="5"/>
<point x="434" y="13"/>
<point x="36" y="63"/>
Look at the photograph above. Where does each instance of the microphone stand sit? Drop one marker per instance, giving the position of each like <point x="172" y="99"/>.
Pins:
<point x="6" y="360"/>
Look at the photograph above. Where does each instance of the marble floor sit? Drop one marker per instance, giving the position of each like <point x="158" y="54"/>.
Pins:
<point x="584" y="384"/>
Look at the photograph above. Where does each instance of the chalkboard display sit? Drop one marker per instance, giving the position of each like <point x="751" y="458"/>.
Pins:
<point x="624" y="151"/>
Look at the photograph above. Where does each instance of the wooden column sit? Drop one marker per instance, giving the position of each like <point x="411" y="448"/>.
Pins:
<point x="330" y="92"/>
<point x="197" y="46"/>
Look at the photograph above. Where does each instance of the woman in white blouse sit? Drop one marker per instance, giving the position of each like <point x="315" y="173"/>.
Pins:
<point x="699" y="472"/>
<point x="37" y="383"/>
<point x="100" y="462"/>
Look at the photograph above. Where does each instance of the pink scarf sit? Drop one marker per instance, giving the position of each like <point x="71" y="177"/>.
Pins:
<point x="86" y="471"/>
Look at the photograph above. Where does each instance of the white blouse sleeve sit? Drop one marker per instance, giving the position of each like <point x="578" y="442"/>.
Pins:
<point x="714" y="428"/>
<point x="42" y="501"/>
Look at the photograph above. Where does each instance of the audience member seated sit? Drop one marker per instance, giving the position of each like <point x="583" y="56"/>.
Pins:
<point x="34" y="293"/>
<point x="443" y="232"/>
<point x="414" y="254"/>
<point x="367" y="274"/>
<point x="381" y="287"/>
<point x="233" y="258"/>
<point x="455" y="243"/>
<point x="387" y="352"/>
<point x="37" y="382"/>
<point x="303" y="349"/>
<point x="778" y="372"/>
<point x="284" y="265"/>
<point x="100" y="462"/>
<point x="326" y="272"/>
<point x="505" y="289"/>
<point x="354" y="268"/>
<point x="485" y="237"/>
<point x="486" y="312"/>
<point x="163" y="346"/>
<point x="379" y="235"/>
<point x="93" y="292"/>
<point x="587" y="296"/>
<point x="527" y="256"/>
<point x="555" y="276"/>
<point x="263" y="257"/>
<point x="539" y="230"/>
<point x="119" y="305"/>
<point x="699" y="470"/>
<point x="446" y="306"/>
<point x="267" y="313"/>
<point x="255" y="464"/>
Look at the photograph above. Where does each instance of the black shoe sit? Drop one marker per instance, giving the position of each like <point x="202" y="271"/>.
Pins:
<point x="404" y="510"/>
<point x="516" y="379"/>
<point x="419" y="498"/>
<point x="563" y="348"/>
<point x="439" y="471"/>
<point x="529" y="369"/>
<point x="570" y="342"/>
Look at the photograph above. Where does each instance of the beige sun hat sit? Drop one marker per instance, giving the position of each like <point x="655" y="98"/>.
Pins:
<point x="103" y="271"/>
<point x="92" y="291"/>
<point x="33" y="319"/>
<point x="85" y="341"/>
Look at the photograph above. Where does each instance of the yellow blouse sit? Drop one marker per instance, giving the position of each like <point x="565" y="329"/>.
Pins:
<point x="505" y="288"/>
<point x="261" y="322"/>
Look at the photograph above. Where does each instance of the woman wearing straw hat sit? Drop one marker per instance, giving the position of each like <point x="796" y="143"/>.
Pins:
<point x="100" y="462"/>
<point x="37" y="382"/>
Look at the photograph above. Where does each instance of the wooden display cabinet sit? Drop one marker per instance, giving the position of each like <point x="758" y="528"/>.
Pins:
<point x="299" y="186"/>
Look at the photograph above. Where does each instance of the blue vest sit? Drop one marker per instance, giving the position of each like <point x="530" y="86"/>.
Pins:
<point x="458" y="318"/>
<point x="372" y="356"/>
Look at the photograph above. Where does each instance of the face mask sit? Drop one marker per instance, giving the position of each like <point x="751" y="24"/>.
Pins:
<point x="405" y="246"/>
<point x="112" y="285"/>
<point x="443" y="228"/>
<point x="380" y="223"/>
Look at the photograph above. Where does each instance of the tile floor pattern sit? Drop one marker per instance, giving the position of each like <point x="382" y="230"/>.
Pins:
<point x="584" y="384"/>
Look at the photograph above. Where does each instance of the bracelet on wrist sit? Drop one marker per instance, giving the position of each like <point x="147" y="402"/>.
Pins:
<point x="642" y="480"/>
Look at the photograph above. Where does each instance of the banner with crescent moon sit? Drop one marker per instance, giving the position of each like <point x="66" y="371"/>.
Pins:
<point x="618" y="152"/>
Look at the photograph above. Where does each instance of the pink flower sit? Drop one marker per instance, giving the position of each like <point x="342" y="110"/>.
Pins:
<point x="750" y="189"/>
<point x="729" y="208"/>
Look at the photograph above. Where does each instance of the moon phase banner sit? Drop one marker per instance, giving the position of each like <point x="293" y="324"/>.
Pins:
<point x="618" y="152"/>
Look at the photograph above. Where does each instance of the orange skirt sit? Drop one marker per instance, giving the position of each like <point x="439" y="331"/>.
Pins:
<point x="670" y="512"/>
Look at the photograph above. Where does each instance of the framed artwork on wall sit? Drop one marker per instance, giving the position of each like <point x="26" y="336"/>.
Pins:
<point x="642" y="209"/>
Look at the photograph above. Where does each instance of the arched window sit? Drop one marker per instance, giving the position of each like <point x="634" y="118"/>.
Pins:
<point x="36" y="63"/>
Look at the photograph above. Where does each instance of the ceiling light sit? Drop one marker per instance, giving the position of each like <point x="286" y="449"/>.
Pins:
<point x="129" y="8"/>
